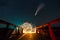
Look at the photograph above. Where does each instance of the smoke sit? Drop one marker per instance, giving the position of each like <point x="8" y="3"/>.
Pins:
<point x="39" y="8"/>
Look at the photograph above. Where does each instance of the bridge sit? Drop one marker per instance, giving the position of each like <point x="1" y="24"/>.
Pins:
<point x="45" y="30"/>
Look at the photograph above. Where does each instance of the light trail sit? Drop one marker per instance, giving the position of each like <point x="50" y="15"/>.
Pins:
<point x="22" y="36"/>
<point x="28" y="28"/>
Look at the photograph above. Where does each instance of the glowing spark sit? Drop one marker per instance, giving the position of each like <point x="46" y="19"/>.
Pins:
<point x="39" y="8"/>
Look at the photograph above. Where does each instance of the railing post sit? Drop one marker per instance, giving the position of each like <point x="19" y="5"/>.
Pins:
<point x="51" y="33"/>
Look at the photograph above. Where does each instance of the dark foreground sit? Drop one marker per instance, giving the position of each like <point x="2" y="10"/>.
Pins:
<point x="29" y="36"/>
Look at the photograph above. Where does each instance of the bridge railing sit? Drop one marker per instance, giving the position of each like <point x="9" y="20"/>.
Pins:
<point x="49" y="25"/>
<point x="6" y="29"/>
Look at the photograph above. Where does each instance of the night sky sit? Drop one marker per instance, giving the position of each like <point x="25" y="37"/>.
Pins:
<point x="20" y="11"/>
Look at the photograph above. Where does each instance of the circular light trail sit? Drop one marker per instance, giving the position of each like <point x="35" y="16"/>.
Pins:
<point x="28" y="28"/>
